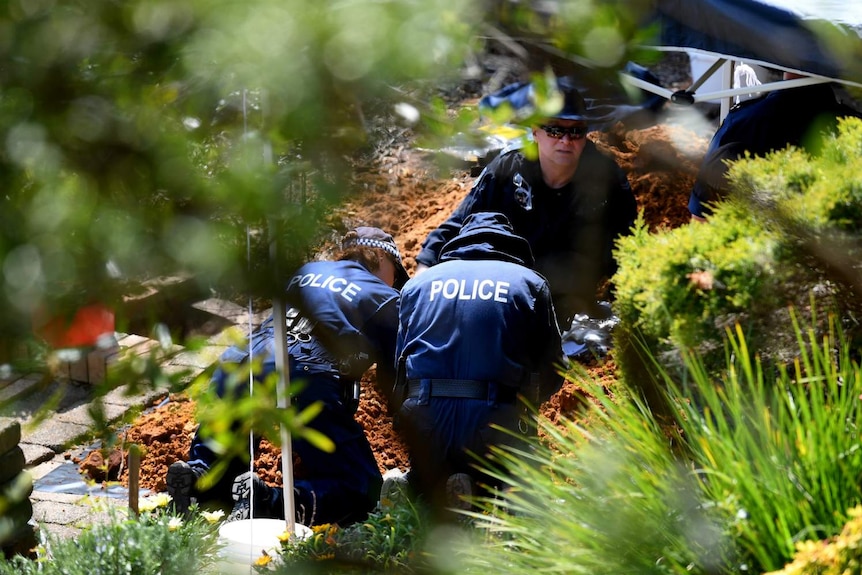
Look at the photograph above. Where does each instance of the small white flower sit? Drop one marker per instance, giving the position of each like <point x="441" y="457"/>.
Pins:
<point x="174" y="523"/>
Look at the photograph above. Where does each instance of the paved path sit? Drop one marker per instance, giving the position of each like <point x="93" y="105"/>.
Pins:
<point x="62" y="502"/>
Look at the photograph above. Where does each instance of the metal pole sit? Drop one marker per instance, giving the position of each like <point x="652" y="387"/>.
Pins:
<point x="283" y="399"/>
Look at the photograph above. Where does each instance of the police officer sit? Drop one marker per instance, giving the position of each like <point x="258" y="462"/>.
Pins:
<point x="343" y="319"/>
<point x="570" y="203"/>
<point x="476" y="331"/>
<point x="800" y="116"/>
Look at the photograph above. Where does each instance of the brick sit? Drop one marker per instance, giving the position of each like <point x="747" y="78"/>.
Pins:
<point x="78" y="370"/>
<point x="98" y="362"/>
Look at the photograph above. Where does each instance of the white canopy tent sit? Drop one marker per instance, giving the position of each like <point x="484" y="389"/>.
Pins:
<point x="821" y="40"/>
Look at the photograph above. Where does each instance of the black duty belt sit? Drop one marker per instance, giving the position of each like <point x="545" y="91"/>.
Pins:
<point x="461" y="388"/>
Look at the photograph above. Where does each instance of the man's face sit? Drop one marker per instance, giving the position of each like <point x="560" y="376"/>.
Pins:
<point x="560" y="141"/>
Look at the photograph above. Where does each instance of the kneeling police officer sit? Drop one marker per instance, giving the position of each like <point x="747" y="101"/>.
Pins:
<point x="343" y="320"/>
<point x="478" y="333"/>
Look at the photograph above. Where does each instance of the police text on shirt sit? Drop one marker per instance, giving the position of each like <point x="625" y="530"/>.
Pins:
<point x="477" y="289"/>
<point x="345" y="288"/>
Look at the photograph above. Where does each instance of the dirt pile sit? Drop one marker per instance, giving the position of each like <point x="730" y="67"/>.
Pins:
<point x="409" y="196"/>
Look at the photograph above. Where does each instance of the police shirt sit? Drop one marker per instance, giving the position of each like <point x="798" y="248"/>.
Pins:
<point x="571" y="230"/>
<point x="356" y="321"/>
<point x="356" y="313"/>
<point x="486" y="320"/>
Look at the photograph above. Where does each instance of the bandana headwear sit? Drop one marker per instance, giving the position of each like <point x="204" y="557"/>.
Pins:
<point x="370" y="237"/>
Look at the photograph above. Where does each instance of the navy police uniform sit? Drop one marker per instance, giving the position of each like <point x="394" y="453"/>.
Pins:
<point x="342" y="321"/>
<point x="476" y="330"/>
<point x="571" y="230"/>
<point x="789" y="117"/>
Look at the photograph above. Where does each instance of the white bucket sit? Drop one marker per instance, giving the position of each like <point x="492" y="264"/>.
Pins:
<point x="243" y="542"/>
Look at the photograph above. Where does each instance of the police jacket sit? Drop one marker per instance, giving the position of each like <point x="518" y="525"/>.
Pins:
<point x="480" y="315"/>
<point x="571" y="230"/>
<point x="352" y="322"/>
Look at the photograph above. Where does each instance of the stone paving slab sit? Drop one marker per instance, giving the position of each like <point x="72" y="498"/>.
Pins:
<point x="74" y="511"/>
<point x="120" y="397"/>
<point x="18" y="385"/>
<point x="36" y="454"/>
<point x="66" y="395"/>
<point x="81" y="415"/>
<point x="57" y="435"/>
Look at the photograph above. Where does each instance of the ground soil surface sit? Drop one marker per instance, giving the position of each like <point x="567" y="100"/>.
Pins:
<point x="408" y="194"/>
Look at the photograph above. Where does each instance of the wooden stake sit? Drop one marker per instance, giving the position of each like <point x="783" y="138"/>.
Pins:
<point x="134" y="477"/>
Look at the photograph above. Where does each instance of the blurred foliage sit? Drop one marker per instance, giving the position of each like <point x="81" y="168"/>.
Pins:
<point x="142" y="138"/>
<point x="147" y="138"/>
<point x="206" y="139"/>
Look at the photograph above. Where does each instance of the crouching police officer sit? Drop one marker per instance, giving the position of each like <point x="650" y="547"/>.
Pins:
<point x="343" y="319"/>
<point x="477" y="331"/>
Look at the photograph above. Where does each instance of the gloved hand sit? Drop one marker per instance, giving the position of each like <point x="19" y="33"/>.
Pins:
<point x="590" y="336"/>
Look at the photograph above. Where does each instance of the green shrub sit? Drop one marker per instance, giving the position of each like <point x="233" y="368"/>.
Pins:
<point x="678" y="290"/>
<point x="789" y="229"/>
<point x="821" y="193"/>
<point x="674" y="286"/>
<point x="776" y="448"/>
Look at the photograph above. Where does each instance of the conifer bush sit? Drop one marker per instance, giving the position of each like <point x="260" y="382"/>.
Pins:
<point x="789" y="231"/>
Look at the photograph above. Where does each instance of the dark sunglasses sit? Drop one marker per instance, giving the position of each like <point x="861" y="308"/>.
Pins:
<point x="573" y="132"/>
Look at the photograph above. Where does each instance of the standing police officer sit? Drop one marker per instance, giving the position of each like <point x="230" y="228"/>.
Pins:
<point x="570" y="203"/>
<point x="476" y="331"/>
<point x="343" y="319"/>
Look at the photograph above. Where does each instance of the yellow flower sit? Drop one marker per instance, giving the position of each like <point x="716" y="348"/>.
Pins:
<point x="213" y="516"/>
<point x="263" y="560"/>
<point x="174" y="523"/>
<point x="284" y="536"/>
<point x="320" y="528"/>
